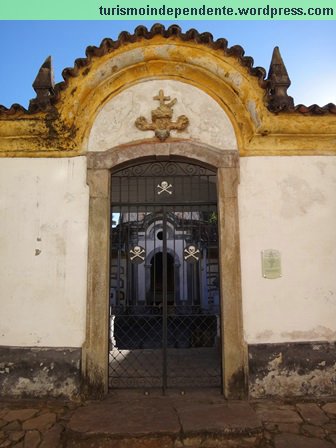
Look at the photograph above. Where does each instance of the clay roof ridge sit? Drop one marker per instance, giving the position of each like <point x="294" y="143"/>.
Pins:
<point x="108" y="45"/>
<point x="141" y="32"/>
<point x="316" y="109"/>
<point x="12" y="110"/>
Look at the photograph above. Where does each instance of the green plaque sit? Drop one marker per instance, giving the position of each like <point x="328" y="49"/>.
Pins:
<point x="271" y="263"/>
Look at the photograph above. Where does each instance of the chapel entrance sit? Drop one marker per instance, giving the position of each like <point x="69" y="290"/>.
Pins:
<point x="164" y="277"/>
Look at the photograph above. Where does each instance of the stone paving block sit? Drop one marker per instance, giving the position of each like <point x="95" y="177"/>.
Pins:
<point x="42" y="422"/>
<point x="273" y="405"/>
<point x="20" y="414"/>
<point x="197" y="442"/>
<point x="332" y="437"/>
<point x="52" y="437"/>
<point x="236" y="418"/>
<point x="246" y="442"/>
<point x="314" y="431"/>
<point x="330" y="408"/>
<point x="312" y="413"/>
<point x="19" y="445"/>
<point x="15" y="436"/>
<point x="32" y="439"/>
<point x="107" y="442"/>
<point x="270" y="426"/>
<point x="295" y="441"/>
<point x="109" y="418"/>
<point x="293" y="428"/>
<point x="267" y="435"/>
<point x="12" y="426"/>
<point x="279" y="416"/>
<point x="330" y="428"/>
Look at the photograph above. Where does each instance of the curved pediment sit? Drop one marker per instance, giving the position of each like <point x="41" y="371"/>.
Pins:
<point x="61" y="117"/>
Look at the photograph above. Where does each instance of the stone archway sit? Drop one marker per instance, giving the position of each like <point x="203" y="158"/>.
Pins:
<point x="100" y="164"/>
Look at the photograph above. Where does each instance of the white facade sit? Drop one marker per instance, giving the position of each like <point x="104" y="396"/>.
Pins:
<point x="43" y="251"/>
<point x="285" y="203"/>
<point x="289" y="204"/>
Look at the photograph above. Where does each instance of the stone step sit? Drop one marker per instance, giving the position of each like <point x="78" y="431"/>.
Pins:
<point x="155" y="423"/>
<point x="205" y="441"/>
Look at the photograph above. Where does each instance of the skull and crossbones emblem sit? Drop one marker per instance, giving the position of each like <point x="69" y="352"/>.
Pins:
<point x="136" y="254"/>
<point x="191" y="254"/>
<point x="164" y="186"/>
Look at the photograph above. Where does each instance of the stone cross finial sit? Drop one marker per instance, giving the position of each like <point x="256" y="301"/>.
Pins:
<point x="161" y="97"/>
<point x="278" y="83"/>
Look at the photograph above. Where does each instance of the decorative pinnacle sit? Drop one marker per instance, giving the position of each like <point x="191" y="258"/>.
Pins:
<point x="45" y="76"/>
<point x="277" y="71"/>
<point x="44" y="86"/>
<point x="278" y="83"/>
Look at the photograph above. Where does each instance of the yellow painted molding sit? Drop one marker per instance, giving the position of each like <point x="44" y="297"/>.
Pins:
<point x="63" y="131"/>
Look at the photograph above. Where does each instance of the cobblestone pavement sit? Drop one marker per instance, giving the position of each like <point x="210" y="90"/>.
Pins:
<point x="194" y="421"/>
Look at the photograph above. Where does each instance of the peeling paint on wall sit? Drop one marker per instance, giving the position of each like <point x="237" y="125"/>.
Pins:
<point x="38" y="372"/>
<point x="297" y="369"/>
<point x="252" y="107"/>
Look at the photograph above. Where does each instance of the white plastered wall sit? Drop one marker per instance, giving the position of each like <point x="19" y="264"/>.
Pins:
<point x="285" y="203"/>
<point x="43" y="251"/>
<point x="289" y="204"/>
<point x="208" y="123"/>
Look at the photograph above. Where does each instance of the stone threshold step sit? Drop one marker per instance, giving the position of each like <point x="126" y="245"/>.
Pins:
<point x="200" y="441"/>
<point x="152" y="423"/>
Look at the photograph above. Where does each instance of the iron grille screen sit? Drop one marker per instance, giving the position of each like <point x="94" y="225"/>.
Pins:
<point x="164" y="287"/>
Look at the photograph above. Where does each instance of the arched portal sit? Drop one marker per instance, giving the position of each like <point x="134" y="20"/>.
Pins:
<point x="165" y="333"/>
<point x="225" y="166"/>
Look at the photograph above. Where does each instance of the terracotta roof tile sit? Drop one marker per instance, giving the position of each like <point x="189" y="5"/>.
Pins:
<point x="141" y="32"/>
<point x="314" y="109"/>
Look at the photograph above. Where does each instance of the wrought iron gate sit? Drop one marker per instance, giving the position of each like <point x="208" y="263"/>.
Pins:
<point x="164" y="288"/>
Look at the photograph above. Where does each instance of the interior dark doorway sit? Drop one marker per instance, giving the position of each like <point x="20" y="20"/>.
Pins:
<point x="157" y="279"/>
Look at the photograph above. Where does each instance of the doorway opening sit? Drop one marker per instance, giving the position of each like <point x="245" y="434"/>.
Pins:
<point x="164" y="287"/>
<point x="157" y="278"/>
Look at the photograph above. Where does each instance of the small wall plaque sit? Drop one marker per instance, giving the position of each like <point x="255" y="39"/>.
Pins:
<point x="271" y="263"/>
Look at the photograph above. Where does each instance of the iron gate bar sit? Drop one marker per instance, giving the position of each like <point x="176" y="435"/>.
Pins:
<point x="165" y="300"/>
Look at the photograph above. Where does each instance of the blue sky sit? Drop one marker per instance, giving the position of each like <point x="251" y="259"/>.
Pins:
<point x="307" y="47"/>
